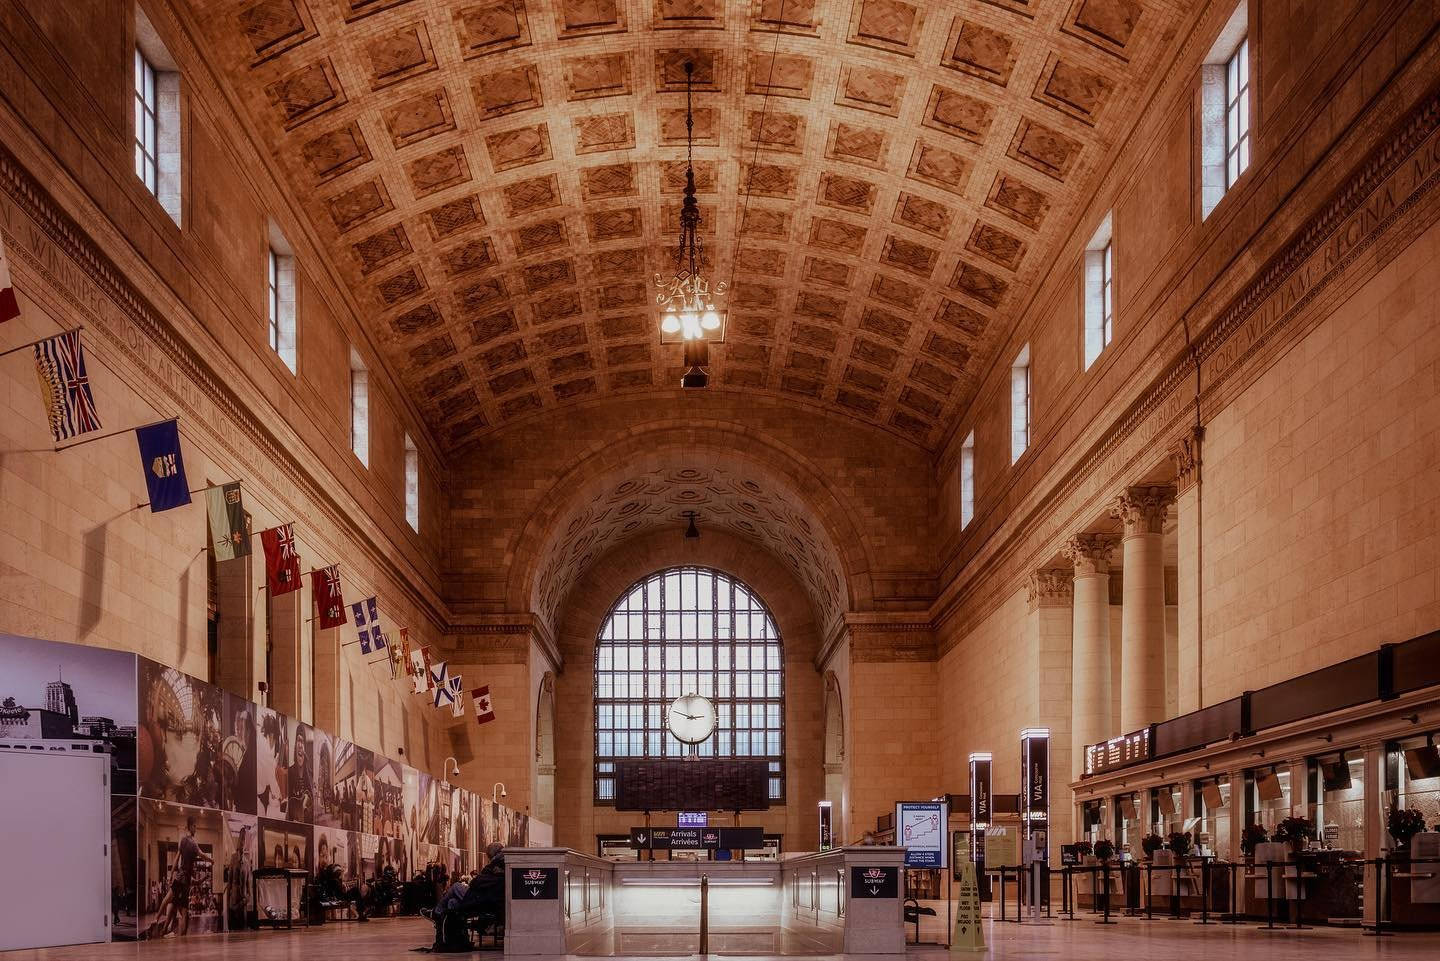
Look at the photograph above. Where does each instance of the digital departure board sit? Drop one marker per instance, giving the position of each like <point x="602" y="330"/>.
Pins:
<point x="674" y="784"/>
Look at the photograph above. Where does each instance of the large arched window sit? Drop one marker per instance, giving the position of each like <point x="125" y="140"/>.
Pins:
<point x="688" y="630"/>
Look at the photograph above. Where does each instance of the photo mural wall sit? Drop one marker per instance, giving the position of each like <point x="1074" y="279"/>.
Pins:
<point x="208" y="786"/>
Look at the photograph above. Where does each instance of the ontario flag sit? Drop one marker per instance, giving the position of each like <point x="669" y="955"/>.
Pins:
<point x="329" y="604"/>
<point x="9" y="306"/>
<point x="60" y="365"/>
<point x="484" y="710"/>
<point x="282" y="559"/>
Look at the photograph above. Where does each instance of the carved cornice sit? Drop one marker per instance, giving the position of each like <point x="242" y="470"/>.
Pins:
<point x="1142" y="509"/>
<point x="1052" y="587"/>
<point x="1089" y="553"/>
<point x="508" y="625"/>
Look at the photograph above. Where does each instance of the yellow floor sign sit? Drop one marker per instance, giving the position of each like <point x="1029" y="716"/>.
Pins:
<point x="969" y="935"/>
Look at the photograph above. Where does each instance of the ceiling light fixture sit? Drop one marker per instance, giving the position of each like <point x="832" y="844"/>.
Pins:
<point x="691" y="531"/>
<point x="688" y="312"/>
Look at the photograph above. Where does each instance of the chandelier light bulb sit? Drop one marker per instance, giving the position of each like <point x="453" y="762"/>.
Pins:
<point x="670" y="323"/>
<point x="691" y="324"/>
<point x="710" y="320"/>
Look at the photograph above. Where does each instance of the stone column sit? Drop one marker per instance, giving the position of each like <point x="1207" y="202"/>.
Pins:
<point x="1090" y="720"/>
<point x="239" y="656"/>
<point x="286" y="614"/>
<point x="328" y="664"/>
<point x="1190" y="646"/>
<point x="1049" y="626"/>
<point x="1142" y="617"/>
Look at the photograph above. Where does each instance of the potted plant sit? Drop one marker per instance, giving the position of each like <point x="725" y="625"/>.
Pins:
<point x="1180" y="843"/>
<point x="1085" y="849"/>
<point x="1403" y="824"/>
<point x="1252" y="835"/>
<point x="1296" y="832"/>
<point x="1151" y="843"/>
<point x="1104" y="850"/>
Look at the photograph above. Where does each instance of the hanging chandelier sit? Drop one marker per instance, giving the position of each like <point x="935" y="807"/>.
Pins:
<point x="686" y="299"/>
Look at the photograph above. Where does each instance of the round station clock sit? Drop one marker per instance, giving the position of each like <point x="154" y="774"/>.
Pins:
<point x="691" y="718"/>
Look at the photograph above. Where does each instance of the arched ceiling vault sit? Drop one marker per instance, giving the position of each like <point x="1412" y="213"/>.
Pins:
<point x="607" y="500"/>
<point x="498" y="181"/>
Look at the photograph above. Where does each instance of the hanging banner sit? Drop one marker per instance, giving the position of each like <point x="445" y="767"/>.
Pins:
<point x="980" y="800"/>
<point x="1035" y="788"/>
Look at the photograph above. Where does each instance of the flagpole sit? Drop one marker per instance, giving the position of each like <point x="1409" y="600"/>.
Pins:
<point x="40" y="340"/>
<point x="117" y="433"/>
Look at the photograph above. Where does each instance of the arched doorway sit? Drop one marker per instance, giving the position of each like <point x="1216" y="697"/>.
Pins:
<point x="543" y="806"/>
<point x="834" y="757"/>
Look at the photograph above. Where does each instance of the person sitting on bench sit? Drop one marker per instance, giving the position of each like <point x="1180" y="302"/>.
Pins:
<point x="484" y="898"/>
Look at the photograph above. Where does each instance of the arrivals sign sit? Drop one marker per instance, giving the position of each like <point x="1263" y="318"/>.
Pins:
<point x="1118" y="752"/>
<point x="874" y="882"/>
<point x="921" y="829"/>
<point x="538" y="884"/>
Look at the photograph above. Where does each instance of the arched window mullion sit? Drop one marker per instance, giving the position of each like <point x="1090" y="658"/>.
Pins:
<point x="641" y="665"/>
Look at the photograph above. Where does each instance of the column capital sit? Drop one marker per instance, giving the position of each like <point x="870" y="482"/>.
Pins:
<point x="1142" y="509"/>
<point x="1185" y="453"/>
<point x="1090" y="553"/>
<point x="1051" y="587"/>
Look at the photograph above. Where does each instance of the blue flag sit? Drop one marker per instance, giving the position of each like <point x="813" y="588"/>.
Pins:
<point x="164" y="467"/>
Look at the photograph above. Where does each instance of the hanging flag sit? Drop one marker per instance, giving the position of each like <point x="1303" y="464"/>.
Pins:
<point x="397" y="659"/>
<point x="367" y="624"/>
<point x="282" y="560"/>
<point x="484" y="710"/>
<point x="9" y="306"/>
<point x="405" y="652"/>
<point x="440" y="681"/>
<point x="329" y="604"/>
<point x="163" y="464"/>
<point x="228" y="533"/>
<point x="457" y="697"/>
<point x="425" y="672"/>
<point x="60" y="365"/>
<point x="419" y="670"/>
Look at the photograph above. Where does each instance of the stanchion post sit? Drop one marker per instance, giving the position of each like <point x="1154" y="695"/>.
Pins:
<point x="1105" y="887"/>
<point x="1204" y="891"/>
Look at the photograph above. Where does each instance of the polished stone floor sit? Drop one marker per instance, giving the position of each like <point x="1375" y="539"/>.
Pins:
<point x="1078" y="941"/>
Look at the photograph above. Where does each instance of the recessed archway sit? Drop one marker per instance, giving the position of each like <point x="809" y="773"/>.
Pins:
<point x="834" y="756"/>
<point x="542" y="805"/>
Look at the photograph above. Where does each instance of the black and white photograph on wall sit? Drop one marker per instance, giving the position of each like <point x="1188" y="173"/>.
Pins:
<point x="283" y="844"/>
<point x="332" y="846"/>
<point x="238" y="769"/>
<point x="180" y="740"/>
<point x="241" y="846"/>
<point x="460" y="819"/>
<point x="301" y="781"/>
<point x="179" y="846"/>
<point x="389" y="783"/>
<point x="392" y="853"/>
<point x="124" y="863"/>
<point x="427" y="824"/>
<point x="355" y="783"/>
<point x="54" y="690"/>
<point x="324" y="751"/>
<point x="410" y="832"/>
<point x="272" y="763"/>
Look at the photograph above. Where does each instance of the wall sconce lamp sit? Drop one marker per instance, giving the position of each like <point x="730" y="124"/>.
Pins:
<point x="449" y="763"/>
<point x="497" y="792"/>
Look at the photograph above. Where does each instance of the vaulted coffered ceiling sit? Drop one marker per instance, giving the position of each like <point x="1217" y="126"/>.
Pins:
<point x="499" y="180"/>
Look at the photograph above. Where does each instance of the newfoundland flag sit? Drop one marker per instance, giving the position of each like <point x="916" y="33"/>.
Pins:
<point x="282" y="560"/>
<point x="163" y="465"/>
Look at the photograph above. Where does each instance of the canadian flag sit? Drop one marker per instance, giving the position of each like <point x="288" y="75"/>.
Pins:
<point x="484" y="710"/>
<point x="9" y="306"/>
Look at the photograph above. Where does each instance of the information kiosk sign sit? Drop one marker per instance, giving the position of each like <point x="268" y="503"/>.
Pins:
<point x="921" y="828"/>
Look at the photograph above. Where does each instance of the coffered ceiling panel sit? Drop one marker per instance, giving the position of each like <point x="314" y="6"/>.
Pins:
<point x="499" y="181"/>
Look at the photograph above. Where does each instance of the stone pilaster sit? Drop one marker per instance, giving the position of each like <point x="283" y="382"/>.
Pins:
<point x="1049" y="630"/>
<point x="1090" y="721"/>
<point x="1185" y="452"/>
<point x="1142" y="617"/>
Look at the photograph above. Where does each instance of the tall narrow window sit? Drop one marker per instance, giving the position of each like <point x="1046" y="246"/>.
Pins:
<point x="1099" y="292"/>
<point x="280" y="299"/>
<point x="1225" y="110"/>
<point x="157" y="117"/>
<point x="1020" y="404"/>
<point x="412" y="484"/>
<point x="359" y="408"/>
<point x="967" y="481"/>
<point x="1237" y="112"/>
<point x="688" y="630"/>
<point x="147" y="125"/>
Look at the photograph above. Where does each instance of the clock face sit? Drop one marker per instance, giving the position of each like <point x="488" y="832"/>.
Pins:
<point x="691" y="718"/>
